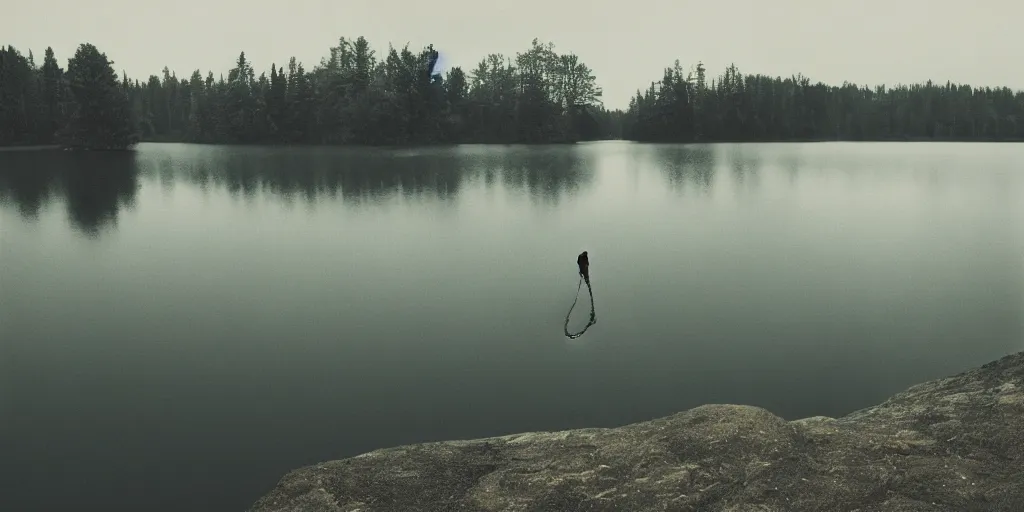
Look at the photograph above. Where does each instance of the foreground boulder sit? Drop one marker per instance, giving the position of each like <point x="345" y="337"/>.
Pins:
<point x="951" y="444"/>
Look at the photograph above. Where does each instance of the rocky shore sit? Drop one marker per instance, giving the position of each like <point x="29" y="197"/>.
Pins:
<point x="952" y="444"/>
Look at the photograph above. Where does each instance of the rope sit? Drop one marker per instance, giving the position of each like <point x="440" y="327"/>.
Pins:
<point x="593" y="316"/>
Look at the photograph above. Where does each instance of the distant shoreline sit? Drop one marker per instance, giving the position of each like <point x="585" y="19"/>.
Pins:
<point x="55" y="147"/>
<point x="569" y="143"/>
<point x="46" y="147"/>
<point x="162" y="140"/>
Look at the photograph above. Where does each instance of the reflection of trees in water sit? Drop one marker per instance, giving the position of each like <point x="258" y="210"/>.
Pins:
<point x="745" y="160"/>
<point x="93" y="185"/>
<point x="792" y="163"/>
<point x="355" y="174"/>
<point x="24" y="184"/>
<point x="365" y="174"/>
<point x="430" y="175"/>
<point x="547" y="174"/>
<point x="686" y="164"/>
<point x="97" y="187"/>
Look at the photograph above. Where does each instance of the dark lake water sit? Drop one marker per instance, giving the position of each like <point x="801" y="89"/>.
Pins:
<point x="182" y="326"/>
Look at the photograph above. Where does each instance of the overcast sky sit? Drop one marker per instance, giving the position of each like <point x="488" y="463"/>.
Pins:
<point x="626" y="43"/>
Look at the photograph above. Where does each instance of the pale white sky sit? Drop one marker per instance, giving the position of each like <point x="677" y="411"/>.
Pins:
<point x="626" y="43"/>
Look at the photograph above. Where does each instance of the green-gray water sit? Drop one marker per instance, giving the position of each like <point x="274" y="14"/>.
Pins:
<point x="181" y="326"/>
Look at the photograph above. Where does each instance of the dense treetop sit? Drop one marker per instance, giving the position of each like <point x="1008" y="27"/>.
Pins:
<point x="355" y="96"/>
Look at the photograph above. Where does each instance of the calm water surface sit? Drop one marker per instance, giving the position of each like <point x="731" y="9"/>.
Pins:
<point x="182" y="326"/>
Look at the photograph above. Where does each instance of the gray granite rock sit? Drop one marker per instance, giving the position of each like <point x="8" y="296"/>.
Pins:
<point x="951" y="444"/>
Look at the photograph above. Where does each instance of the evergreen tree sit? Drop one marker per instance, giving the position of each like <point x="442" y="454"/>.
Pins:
<point x="54" y="98"/>
<point x="101" y="113"/>
<point x="20" y="106"/>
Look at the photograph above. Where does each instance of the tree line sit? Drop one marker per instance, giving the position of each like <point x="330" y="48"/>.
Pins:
<point x="81" y="106"/>
<point x="354" y="96"/>
<point x="739" y="108"/>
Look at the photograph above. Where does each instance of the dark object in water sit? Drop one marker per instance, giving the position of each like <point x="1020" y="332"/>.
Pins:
<point x="584" y="263"/>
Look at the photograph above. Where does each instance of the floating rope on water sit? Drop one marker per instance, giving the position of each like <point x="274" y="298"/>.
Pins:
<point x="593" y="316"/>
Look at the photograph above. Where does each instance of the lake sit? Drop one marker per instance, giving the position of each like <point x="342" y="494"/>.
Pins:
<point x="181" y="326"/>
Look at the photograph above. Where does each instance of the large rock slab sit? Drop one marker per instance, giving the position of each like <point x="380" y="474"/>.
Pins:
<point x="952" y="444"/>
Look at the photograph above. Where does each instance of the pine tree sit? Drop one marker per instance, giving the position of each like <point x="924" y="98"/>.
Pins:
<point x="101" y="116"/>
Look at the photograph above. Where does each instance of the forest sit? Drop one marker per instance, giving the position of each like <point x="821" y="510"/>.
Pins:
<point x="355" y="96"/>
<point x="733" y="107"/>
